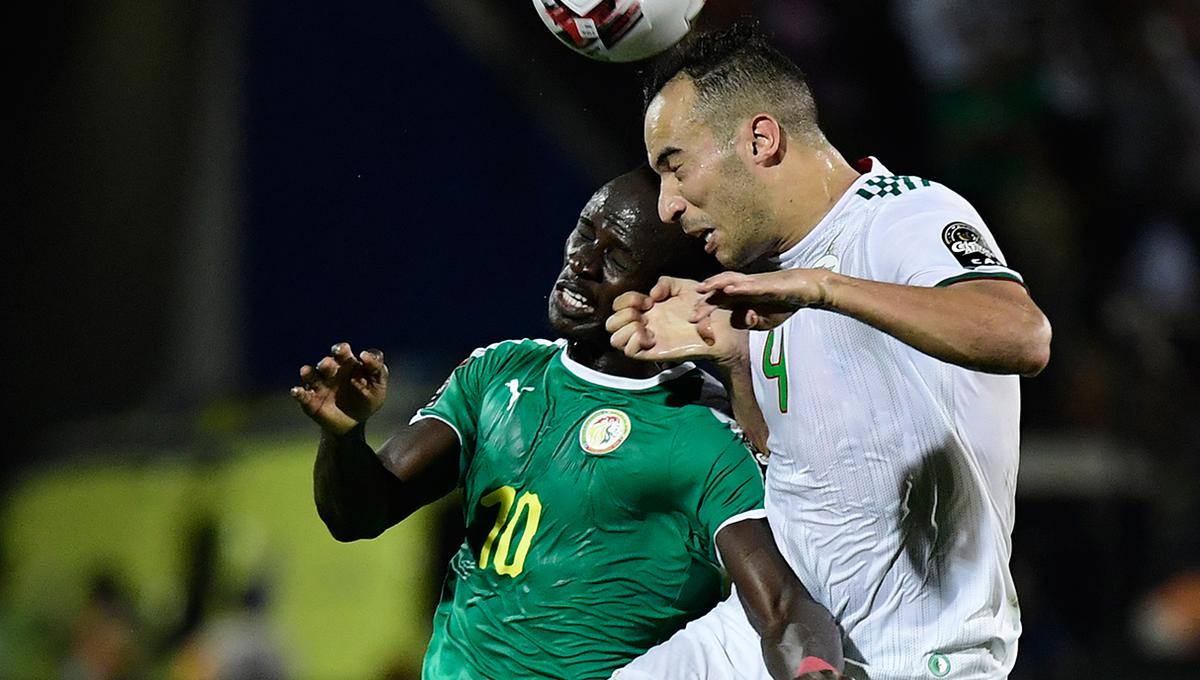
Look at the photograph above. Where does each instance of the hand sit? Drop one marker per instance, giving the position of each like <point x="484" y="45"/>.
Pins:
<point x="763" y="301"/>
<point x="343" y="391"/>
<point x="656" y="327"/>
<point x="829" y="672"/>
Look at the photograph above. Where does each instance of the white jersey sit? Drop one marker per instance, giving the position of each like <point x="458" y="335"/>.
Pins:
<point x="890" y="486"/>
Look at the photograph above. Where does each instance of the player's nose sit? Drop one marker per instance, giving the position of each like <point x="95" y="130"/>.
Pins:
<point x="670" y="205"/>
<point x="585" y="261"/>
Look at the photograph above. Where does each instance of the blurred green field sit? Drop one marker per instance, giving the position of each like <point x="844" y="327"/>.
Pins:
<point x="338" y="610"/>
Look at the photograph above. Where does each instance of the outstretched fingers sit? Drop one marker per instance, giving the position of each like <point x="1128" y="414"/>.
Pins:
<point x="343" y="355"/>
<point x="632" y="300"/>
<point x="327" y="368"/>
<point x="312" y="391"/>
<point x="639" y="341"/>
<point x="632" y="337"/>
<point x="669" y="287"/>
<point x="307" y="397"/>
<point x="628" y="325"/>
<point x="309" y="376"/>
<point x="722" y="281"/>
<point x="701" y="311"/>
<point x="372" y="361"/>
<point x="732" y="290"/>
<point x="317" y="382"/>
<point x="745" y="318"/>
<point x="621" y="318"/>
<point x="704" y="329"/>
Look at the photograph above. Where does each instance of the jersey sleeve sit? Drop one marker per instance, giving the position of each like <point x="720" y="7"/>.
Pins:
<point x="720" y="479"/>
<point x="933" y="238"/>
<point x="456" y="403"/>
<point x="459" y="401"/>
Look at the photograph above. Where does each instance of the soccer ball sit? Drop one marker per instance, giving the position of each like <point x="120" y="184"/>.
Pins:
<point x="618" y="30"/>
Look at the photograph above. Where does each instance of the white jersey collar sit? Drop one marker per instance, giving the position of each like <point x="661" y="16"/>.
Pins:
<point x="618" y="382"/>
<point x="869" y="167"/>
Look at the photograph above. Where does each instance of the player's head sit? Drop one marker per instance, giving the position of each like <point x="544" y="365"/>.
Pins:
<point x="722" y="110"/>
<point x="619" y="244"/>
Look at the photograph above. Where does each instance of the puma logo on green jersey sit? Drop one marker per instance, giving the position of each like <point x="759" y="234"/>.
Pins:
<point x="514" y="392"/>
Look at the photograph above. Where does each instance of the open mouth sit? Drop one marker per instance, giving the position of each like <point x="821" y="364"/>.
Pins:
<point x="706" y="234"/>
<point x="572" y="302"/>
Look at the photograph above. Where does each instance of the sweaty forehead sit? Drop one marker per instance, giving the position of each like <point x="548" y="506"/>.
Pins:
<point x="669" y="115"/>
<point x="627" y="208"/>
<point x="617" y="210"/>
<point x="596" y="203"/>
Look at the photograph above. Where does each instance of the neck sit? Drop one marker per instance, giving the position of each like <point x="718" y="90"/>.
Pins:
<point x="808" y="189"/>
<point x="606" y="359"/>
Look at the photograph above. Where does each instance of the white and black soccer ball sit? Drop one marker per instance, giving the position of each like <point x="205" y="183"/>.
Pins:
<point x="618" y="30"/>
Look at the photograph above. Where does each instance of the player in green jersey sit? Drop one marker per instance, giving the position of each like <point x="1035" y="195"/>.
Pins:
<point x="599" y="492"/>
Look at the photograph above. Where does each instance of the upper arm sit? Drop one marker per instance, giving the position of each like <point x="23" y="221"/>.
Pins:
<point x="361" y="492"/>
<point x="1003" y="291"/>
<point x="932" y="238"/>
<point x="424" y="456"/>
<point x="453" y="413"/>
<point x="936" y="239"/>
<point x="430" y="454"/>
<point x="1011" y="303"/>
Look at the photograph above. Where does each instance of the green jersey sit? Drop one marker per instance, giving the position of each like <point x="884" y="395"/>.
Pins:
<point x="591" y="504"/>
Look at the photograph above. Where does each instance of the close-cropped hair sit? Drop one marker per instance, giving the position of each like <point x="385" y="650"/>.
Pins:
<point x="736" y="73"/>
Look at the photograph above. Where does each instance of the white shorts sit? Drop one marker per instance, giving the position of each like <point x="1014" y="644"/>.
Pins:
<point x="721" y="645"/>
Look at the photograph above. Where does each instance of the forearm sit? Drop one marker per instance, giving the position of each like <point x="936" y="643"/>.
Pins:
<point x="793" y="626"/>
<point x="965" y="324"/>
<point x="739" y="382"/>
<point x="354" y="492"/>
<point x="805" y="631"/>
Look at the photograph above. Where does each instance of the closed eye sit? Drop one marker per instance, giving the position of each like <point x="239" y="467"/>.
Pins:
<point x="586" y="231"/>
<point x="620" y="260"/>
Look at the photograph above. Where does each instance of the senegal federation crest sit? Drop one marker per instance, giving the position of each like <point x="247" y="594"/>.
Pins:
<point x="604" y="431"/>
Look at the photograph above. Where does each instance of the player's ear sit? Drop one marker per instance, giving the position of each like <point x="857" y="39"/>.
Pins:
<point x="766" y="140"/>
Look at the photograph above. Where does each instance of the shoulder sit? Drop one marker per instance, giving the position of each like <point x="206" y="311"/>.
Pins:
<point x="516" y="350"/>
<point x="705" y="421"/>
<point x="507" y="355"/>
<point x="898" y="196"/>
<point x="927" y="206"/>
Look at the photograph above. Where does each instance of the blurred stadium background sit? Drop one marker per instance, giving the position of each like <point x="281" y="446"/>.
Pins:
<point x="206" y="195"/>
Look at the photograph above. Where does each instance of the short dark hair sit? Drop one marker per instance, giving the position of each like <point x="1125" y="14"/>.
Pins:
<point x="736" y="73"/>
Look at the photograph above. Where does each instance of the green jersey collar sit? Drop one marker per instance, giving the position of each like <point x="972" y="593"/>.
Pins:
<point x="617" y="382"/>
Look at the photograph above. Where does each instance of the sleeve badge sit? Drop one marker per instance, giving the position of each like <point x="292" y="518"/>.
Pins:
<point x="968" y="246"/>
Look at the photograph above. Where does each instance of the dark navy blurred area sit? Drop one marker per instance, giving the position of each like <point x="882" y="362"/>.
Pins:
<point x="401" y="196"/>
<point x="206" y="196"/>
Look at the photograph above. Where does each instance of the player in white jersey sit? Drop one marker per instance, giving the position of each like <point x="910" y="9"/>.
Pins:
<point x="882" y="359"/>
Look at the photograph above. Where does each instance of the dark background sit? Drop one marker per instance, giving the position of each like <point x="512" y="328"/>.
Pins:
<point x="205" y="196"/>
